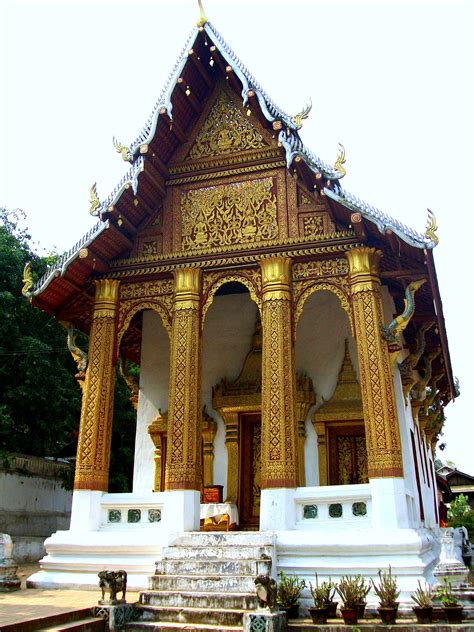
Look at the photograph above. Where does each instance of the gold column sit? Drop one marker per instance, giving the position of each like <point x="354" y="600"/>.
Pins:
<point x="378" y="397"/>
<point x="184" y="412"/>
<point x="95" y="432"/>
<point x="279" y="433"/>
<point x="231" y="420"/>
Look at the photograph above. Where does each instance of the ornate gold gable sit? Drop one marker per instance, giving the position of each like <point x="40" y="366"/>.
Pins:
<point x="227" y="130"/>
<point x="339" y="426"/>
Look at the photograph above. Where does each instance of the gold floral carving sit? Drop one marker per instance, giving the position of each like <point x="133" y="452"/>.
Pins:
<point x="147" y="289"/>
<point x="134" y="297"/>
<point x="222" y="215"/>
<point x="279" y="431"/>
<point x="209" y="429"/>
<point x="184" y="415"/>
<point x="320" y="268"/>
<point x="378" y="398"/>
<point x="226" y="131"/>
<point x="214" y="280"/>
<point x="313" y="225"/>
<point x="95" y="431"/>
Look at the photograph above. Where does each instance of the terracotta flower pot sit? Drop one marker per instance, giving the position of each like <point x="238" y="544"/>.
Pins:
<point x="453" y="613"/>
<point x="423" y="615"/>
<point x="388" y="616"/>
<point x="332" y="608"/>
<point x="319" y="615"/>
<point x="350" y="615"/>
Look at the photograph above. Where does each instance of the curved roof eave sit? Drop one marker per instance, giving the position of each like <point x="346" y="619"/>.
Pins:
<point x="381" y="220"/>
<point x="62" y="264"/>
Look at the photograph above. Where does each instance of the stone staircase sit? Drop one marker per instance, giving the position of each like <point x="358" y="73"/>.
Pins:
<point x="205" y="581"/>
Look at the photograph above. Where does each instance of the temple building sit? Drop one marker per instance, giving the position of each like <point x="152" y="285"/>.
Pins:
<point x="294" y="365"/>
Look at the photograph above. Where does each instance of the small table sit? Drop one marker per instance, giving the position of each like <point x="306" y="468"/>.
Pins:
<point x="219" y="517"/>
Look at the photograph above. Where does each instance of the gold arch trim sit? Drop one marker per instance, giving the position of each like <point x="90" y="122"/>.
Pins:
<point x="128" y="311"/>
<point x="310" y="287"/>
<point x="214" y="280"/>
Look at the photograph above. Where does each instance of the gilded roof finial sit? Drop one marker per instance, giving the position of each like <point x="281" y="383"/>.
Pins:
<point x="202" y="18"/>
<point x="298" y="118"/>
<point x="94" y="199"/>
<point x="340" y="160"/>
<point x="431" y="228"/>
<point x="27" y="279"/>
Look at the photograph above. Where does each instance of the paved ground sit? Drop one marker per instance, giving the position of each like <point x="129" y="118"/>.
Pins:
<point x="30" y="603"/>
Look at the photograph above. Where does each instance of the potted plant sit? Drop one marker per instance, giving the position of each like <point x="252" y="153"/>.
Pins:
<point x="319" y="613"/>
<point x="349" y="591"/>
<point x="330" y="590"/>
<point x="387" y="592"/>
<point x="288" y="593"/>
<point x="452" y="608"/>
<point x="423" y="597"/>
<point x="363" y="592"/>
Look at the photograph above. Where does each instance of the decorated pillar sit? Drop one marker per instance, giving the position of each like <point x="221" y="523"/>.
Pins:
<point x="95" y="432"/>
<point x="279" y="463"/>
<point x="184" y="413"/>
<point x="378" y="397"/>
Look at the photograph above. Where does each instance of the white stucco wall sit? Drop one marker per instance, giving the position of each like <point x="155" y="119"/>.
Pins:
<point x="319" y="351"/>
<point x="154" y="385"/>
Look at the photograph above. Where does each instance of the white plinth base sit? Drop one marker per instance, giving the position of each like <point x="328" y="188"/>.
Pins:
<point x="277" y="509"/>
<point x="182" y="511"/>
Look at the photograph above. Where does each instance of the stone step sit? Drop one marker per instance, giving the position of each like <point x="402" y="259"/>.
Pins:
<point x="162" y="626"/>
<point x="210" y="583"/>
<point x="234" y="601"/>
<point x="306" y="626"/>
<point x="213" y="567"/>
<point x="232" y="538"/>
<point x="216" y="553"/>
<point x="216" y="616"/>
<point x="91" y="624"/>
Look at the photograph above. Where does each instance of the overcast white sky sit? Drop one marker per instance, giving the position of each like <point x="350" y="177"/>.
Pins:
<point x="391" y="80"/>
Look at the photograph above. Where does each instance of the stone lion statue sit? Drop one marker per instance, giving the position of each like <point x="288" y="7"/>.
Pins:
<point x="114" y="582"/>
<point x="266" y="588"/>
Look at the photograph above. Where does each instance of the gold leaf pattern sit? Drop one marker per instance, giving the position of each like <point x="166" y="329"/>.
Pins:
<point x="226" y="131"/>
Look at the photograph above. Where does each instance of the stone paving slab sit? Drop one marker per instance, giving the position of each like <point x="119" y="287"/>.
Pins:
<point x="32" y="603"/>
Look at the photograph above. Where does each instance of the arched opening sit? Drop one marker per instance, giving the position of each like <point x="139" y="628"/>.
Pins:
<point x="145" y="342"/>
<point x="231" y="384"/>
<point x="334" y="450"/>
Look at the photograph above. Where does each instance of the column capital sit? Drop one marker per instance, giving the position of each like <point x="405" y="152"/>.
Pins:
<point x="364" y="267"/>
<point x="187" y="285"/>
<point x="276" y="277"/>
<point x="106" y="297"/>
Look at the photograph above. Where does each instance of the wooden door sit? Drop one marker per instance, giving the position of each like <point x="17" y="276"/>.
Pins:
<point x="347" y="454"/>
<point x="249" y="488"/>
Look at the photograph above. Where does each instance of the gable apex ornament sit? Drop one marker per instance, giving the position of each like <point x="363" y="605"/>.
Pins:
<point x="202" y="18"/>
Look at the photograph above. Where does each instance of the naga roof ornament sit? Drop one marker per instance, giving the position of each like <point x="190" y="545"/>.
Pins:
<point x="27" y="279"/>
<point x="298" y="118"/>
<point x="127" y="155"/>
<point x="94" y="200"/>
<point x="340" y="160"/>
<point x="431" y="228"/>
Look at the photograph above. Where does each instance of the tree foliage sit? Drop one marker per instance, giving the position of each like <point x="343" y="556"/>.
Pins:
<point x="460" y="514"/>
<point x="39" y="397"/>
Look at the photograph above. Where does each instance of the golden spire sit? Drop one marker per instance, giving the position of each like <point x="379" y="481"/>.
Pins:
<point x="202" y="18"/>
<point x="340" y="160"/>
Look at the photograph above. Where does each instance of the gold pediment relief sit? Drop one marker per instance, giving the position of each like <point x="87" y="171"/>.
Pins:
<point x="227" y="130"/>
